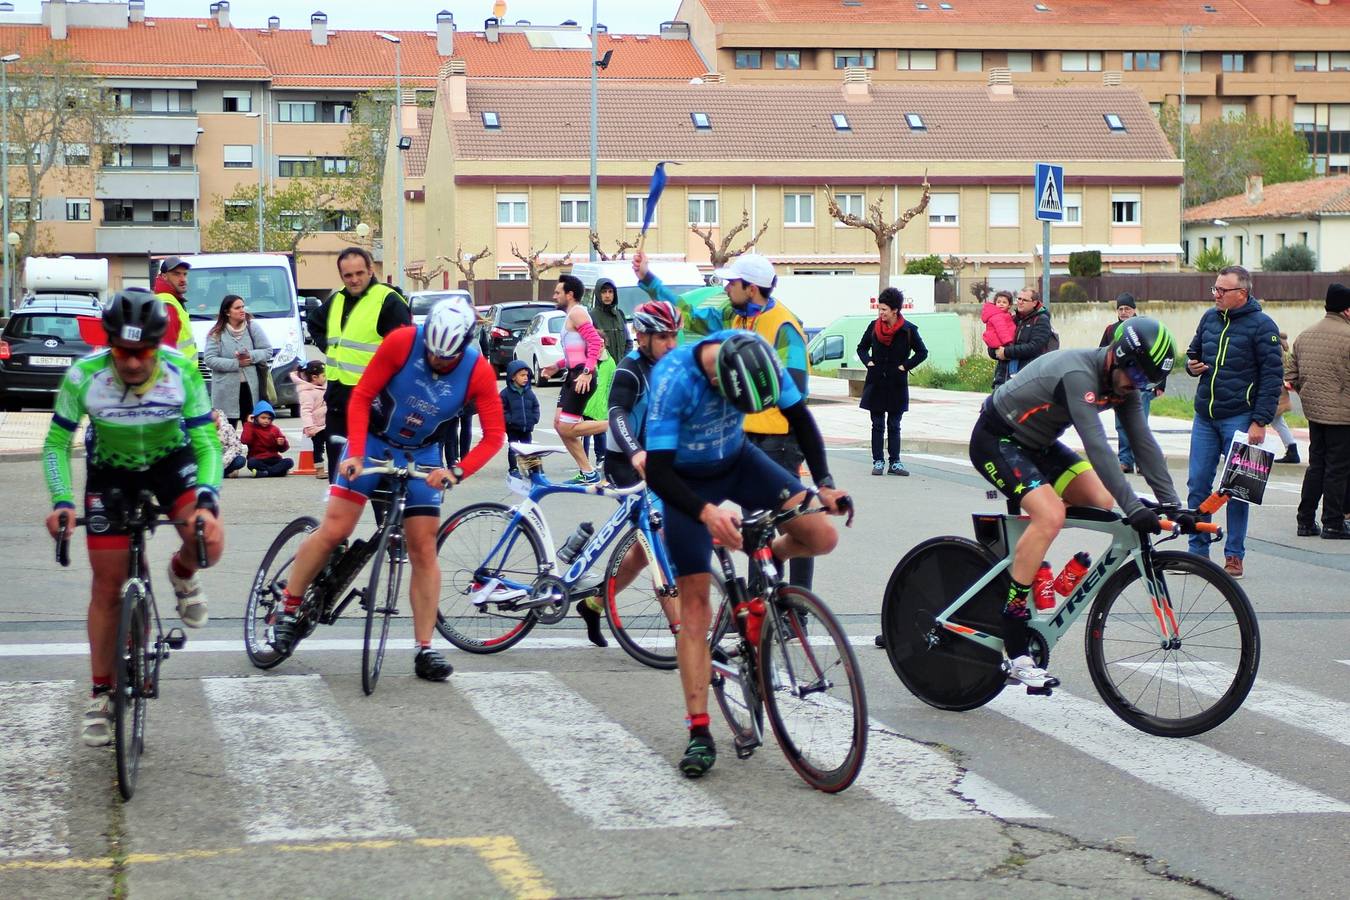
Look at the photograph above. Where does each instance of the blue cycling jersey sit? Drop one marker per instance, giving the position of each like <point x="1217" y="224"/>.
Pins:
<point x="416" y="404"/>
<point x="685" y="413"/>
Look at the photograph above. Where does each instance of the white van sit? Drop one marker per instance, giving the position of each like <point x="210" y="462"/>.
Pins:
<point x="267" y="284"/>
<point x="678" y="276"/>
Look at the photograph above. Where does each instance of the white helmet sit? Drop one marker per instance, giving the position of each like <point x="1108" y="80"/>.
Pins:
<point x="449" y="327"/>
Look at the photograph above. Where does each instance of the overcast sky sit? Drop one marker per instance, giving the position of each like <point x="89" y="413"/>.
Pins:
<point x="644" y="16"/>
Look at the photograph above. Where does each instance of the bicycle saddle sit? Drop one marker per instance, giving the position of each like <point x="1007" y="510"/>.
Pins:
<point x="536" y="449"/>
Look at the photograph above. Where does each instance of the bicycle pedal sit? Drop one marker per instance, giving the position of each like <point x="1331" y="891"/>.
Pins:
<point x="745" y="749"/>
<point x="174" y="638"/>
<point x="1040" y="691"/>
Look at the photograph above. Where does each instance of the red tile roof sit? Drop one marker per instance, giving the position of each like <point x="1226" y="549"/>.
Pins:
<point x="1292" y="199"/>
<point x="169" y="48"/>
<point x="415" y="157"/>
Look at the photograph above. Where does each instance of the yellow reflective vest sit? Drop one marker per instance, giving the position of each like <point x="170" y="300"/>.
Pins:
<point x="767" y="325"/>
<point x="351" y="347"/>
<point x="186" y="345"/>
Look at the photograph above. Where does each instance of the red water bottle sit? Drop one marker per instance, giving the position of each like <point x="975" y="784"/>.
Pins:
<point x="1072" y="573"/>
<point x="750" y="615"/>
<point x="1043" y="588"/>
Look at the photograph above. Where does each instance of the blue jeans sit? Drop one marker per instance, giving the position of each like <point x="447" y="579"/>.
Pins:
<point x="1210" y="439"/>
<point x="1123" y="441"/>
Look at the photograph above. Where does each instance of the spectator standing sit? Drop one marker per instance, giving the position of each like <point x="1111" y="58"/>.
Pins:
<point x="1031" y="340"/>
<point x="890" y="349"/>
<point x="266" y="443"/>
<point x="521" y="408"/>
<point x="613" y="327"/>
<point x="1126" y="308"/>
<point x="1281" y="427"/>
<point x="235" y="346"/>
<point x="1320" y="372"/>
<point x="171" y="287"/>
<point x="310" y="382"/>
<point x="1238" y="390"/>
<point x="233" y="453"/>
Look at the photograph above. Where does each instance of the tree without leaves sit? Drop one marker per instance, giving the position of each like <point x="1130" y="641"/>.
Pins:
<point x="621" y="247"/>
<point x="422" y="277"/>
<point x="720" y="254"/>
<point x="883" y="230"/>
<point x="1221" y="153"/>
<point x="465" y="264"/>
<point x="537" y="268"/>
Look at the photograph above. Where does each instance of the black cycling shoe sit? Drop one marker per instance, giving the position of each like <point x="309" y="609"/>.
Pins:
<point x="286" y="632"/>
<point x="431" y="666"/>
<point x="592" y="620"/>
<point x="699" y="756"/>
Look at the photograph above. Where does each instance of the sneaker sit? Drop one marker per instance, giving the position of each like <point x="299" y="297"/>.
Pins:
<point x="1023" y="670"/>
<point x="878" y="467"/>
<point x="898" y="468"/>
<point x="591" y="617"/>
<point x="431" y="666"/>
<point x="321" y="471"/>
<point x="1310" y="530"/>
<point x="1233" y="566"/>
<point x="698" y="757"/>
<point x="97" y="728"/>
<point x="191" y="600"/>
<point x="591" y="477"/>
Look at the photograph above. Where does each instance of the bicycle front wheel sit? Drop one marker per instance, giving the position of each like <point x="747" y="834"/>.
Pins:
<point x="471" y="551"/>
<point x="130" y="674"/>
<point x="381" y="602"/>
<point x="1181" y="687"/>
<point x="813" y="690"/>
<point x="267" y="595"/>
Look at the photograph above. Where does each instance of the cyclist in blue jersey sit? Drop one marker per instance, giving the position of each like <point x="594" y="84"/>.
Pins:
<point x="697" y="458"/>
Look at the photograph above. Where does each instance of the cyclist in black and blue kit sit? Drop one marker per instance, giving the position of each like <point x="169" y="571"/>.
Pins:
<point x="697" y="458"/>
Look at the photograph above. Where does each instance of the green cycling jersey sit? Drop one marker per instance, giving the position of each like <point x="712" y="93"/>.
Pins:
<point x="131" y="427"/>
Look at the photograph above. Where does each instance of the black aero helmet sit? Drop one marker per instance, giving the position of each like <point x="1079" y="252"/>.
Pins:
<point x="747" y="372"/>
<point x="1144" y="348"/>
<point x="135" y="315"/>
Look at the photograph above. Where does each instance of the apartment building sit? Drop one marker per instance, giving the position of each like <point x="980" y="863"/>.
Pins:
<point x="209" y="106"/>
<point x="503" y="170"/>
<point x="1282" y="59"/>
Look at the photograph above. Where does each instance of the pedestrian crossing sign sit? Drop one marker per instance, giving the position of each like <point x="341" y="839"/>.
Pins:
<point x="1049" y="192"/>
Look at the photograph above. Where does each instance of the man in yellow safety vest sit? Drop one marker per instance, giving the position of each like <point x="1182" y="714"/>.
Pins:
<point x="171" y="287"/>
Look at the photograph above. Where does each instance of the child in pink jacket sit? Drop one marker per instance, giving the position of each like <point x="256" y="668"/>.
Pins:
<point x="309" y="382"/>
<point x="999" y="328"/>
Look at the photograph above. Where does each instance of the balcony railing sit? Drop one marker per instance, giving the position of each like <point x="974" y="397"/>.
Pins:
<point x="138" y="223"/>
<point x="156" y="112"/>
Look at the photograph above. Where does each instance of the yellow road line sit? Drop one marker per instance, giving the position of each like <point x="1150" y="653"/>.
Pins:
<point x="509" y="865"/>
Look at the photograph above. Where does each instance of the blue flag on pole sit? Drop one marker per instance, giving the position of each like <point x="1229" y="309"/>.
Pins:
<point x="654" y="194"/>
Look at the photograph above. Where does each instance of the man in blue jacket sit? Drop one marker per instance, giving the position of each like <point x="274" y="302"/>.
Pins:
<point x="1236" y="355"/>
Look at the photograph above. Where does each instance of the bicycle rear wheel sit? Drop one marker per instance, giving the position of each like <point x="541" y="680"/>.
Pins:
<point x="379" y="608"/>
<point x="266" y="596"/>
<point x="738" y="698"/>
<point x="130" y="671"/>
<point x="639" y="615"/>
<point x="1181" y="688"/>
<point x="813" y="691"/>
<point x="463" y="544"/>
<point x="940" y="668"/>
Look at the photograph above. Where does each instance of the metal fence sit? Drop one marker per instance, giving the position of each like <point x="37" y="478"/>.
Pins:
<point x="1160" y="286"/>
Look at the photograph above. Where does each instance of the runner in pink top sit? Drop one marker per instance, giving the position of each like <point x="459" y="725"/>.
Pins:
<point x="582" y="345"/>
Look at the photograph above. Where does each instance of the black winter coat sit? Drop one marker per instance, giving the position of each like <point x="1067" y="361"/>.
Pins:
<point x="1031" y="340"/>
<point x="887" y="388"/>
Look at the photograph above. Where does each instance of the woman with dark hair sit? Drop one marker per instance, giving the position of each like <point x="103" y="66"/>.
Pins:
<point x="235" y="346"/>
<point x="890" y="349"/>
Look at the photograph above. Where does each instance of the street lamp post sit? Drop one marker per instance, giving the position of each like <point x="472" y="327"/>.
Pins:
<point x="4" y="170"/>
<point x="262" y="164"/>
<point x="595" y="122"/>
<point x="1182" y="126"/>
<point x="398" y="125"/>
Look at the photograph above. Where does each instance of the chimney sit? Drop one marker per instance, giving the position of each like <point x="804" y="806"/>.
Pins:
<point x="675" y="30"/>
<point x="1000" y="84"/>
<point x="1255" y="190"/>
<point x="212" y="10"/>
<point x="318" y="29"/>
<point x="1321" y="2"/>
<point x="857" y="85"/>
<point x="136" y="10"/>
<point x="490" y="29"/>
<point x="274" y="23"/>
<point x="457" y="89"/>
<point x="223" y="13"/>
<point x="55" y="13"/>
<point x="445" y="33"/>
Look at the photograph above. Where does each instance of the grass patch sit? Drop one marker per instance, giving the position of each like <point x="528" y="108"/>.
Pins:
<point x="973" y="373"/>
<point x="1183" y="408"/>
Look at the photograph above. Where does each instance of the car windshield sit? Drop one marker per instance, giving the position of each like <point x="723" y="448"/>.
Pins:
<point x="630" y="298"/>
<point x="514" y="317"/>
<point x="266" y="291"/>
<point x="422" y="303"/>
<point x="64" y="328"/>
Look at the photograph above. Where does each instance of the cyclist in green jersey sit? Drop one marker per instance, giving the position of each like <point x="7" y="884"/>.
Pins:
<point x="150" y="429"/>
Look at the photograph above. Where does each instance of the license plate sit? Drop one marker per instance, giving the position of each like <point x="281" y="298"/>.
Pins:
<point x="57" y="361"/>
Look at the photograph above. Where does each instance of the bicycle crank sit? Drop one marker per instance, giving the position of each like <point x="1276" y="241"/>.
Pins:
<point x="550" y="597"/>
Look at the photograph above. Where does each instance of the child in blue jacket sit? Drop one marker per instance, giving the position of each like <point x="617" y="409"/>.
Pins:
<point x="521" y="407"/>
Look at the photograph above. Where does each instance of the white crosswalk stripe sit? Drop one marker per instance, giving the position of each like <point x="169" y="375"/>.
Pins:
<point x="35" y="746"/>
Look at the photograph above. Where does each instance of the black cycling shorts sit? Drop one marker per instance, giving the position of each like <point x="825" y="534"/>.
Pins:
<point x="173" y="481"/>
<point x="1015" y="469"/>
<point x="570" y="403"/>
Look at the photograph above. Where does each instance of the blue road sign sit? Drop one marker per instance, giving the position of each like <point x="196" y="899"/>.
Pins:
<point x="1049" y="192"/>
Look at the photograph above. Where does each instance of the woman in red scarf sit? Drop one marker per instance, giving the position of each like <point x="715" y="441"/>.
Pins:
<point x="890" y="350"/>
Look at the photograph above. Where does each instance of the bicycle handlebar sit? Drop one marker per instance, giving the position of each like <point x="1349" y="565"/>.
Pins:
<point x="1196" y="527"/>
<point x="387" y="467"/>
<point x="63" y="539"/>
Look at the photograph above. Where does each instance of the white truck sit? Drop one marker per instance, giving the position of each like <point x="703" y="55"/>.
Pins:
<point x="65" y="278"/>
<point x="817" y="300"/>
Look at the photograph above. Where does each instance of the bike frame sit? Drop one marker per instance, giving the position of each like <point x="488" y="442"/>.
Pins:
<point x="331" y="607"/>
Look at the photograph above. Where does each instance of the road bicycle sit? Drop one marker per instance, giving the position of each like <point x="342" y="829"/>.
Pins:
<point x="777" y="648"/>
<point x="142" y="642"/>
<point x="1171" y="639"/>
<point x="328" y="597"/>
<point x="501" y="575"/>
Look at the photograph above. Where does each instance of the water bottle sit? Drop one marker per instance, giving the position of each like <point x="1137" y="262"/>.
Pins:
<point x="1043" y="588"/>
<point x="1072" y="573"/>
<point x="568" y="551"/>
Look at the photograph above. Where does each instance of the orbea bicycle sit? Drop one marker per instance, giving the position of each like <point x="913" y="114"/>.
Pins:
<point x="778" y="648"/>
<point x="142" y="642"/>
<point x="501" y="575"/>
<point x="1171" y="639"/>
<point x="325" y="601"/>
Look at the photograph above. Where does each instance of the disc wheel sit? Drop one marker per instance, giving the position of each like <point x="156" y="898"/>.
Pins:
<point x="267" y="594"/>
<point x="1182" y="687"/>
<point x="463" y="545"/>
<point x="941" y="668"/>
<point x="381" y="602"/>
<point x="130" y="687"/>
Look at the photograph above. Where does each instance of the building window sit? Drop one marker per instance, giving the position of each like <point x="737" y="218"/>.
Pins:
<point x="297" y="166"/>
<point x="1142" y="61"/>
<point x="748" y="59"/>
<point x="1260" y="246"/>
<point x="116" y="156"/>
<point x="236" y="101"/>
<point x="338" y="220"/>
<point x="1155" y="108"/>
<point x="238" y="210"/>
<point x="799" y="210"/>
<point x="337" y="165"/>
<point x="1192" y="63"/>
<point x="512" y="209"/>
<point x="1235" y="110"/>
<point x="1124" y="209"/>
<point x="1113" y="122"/>
<point x="702" y="209"/>
<point x="338" y="112"/>
<point x="491" y="120"/>
<point x="849" y="205"/>
<point x="121" y="98"/>
<point x="1340" y="62"/>
<point x="1190" y="114"/>
<point x="916" y="60"/>
<point x="866" y="59"/>
<point x="512" y="275"/>
<point x="942" y="210"/>
<point x="1185" y="252"/>
<point x="23" y="209"/>
<point x="969" y="61"/>
<point x="238" y="156"/>
<point x="295" y="111"/>
<point x="292" y="220"/>
<point x="822" y="271"/>
<point x="1234" y="62"/>
<point x="701" y="121"/>
<point x="76" y="154"/>
<point x="1081" y="61"/>
<point x="1003" y="210"/>
<point x="840" y="122"/>
<point x="635" y="207"/>
<point x="1019" y="60"/>
<point x="787" y="59"/>
<point x="575" y="210"/>
<point x="171" y="211"/>
<point x="1073" y="209"/>
<point x="915" y="122"/>
<point x="22" y="154"/>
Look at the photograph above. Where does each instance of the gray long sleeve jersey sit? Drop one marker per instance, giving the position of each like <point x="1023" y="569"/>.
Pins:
<point x="1065" y="388"/>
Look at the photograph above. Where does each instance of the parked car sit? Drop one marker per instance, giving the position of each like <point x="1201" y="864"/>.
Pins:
<point x="40" y="341"/>
<point x="422" y="302"/>
<point x="541" y="345"/>
<point x="506" y="323"/>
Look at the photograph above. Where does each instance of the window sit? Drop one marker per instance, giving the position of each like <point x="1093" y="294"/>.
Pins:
<point x="1192" y="63"/>
<point x="787" y="59"/>
<point x="1235" y="110"/>
<point x="701" y="121"/>
<point x="512" y="275"/>
<point x="238" y="211"/>
<point x="76" y="154"/>
<point x="1113" y="122"/>
<point x="1190" y="114"/>
<point x="849" y="204"/>
<point x="942" y="210"/>
<point x="635" y="207"/>
<point x="337" y="165"/>
<point x="1003" y="210"/>
<point x="339" y="112"/>
<point x="237" y="101"/>
<point x="1185" y="252"/>
<point x="799" y="210"/>
<point x="1234" y="62"/>
<point x="295" y="111"/>
<point x="915" y="122"/>
<point x="1019" y="60"/>
<point x="1081" y="61"/>
<point x="1124" y="209"/>
<point x="748" y="59"/>
<point x="77" y="209"/>
<point x="916" y="60"/>
<point x="513" y="209"/>
<point x="1303" y="238"/>
<point x="1155" y="108"/>
<point x="297" y="166"/>
<point x="121" y="98"/>
<point x="702" y="209"/>
<point x="1260" y="246"/>
<point x="338" y="220"/>
<point x="1340" y="62"/>
<point x="491" y="120"/>
<point x="20" y="154"/>
<point x="116" y="156"/>
<point x="23" y="209"/>
<point x="238" y="156"/>
<point x="292" y="220"/>
<point x="171" y="211"/>
<point x="1142" y="61"/>
<point x="840" y="122"/>
<point x="969" y="60"/>
<point x="1312" y="62"/>
<point x="575" y="209"/>
<point x="1073" y="209"/>
<point x="866" y="59"/>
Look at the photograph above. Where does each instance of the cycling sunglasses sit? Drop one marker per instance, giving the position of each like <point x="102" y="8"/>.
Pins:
<point x="1140" y="379"/>
<point x="139" y="353"/>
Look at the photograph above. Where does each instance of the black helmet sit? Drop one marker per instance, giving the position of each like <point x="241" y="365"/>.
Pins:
<point x="1144" y="348"/>
<point x="135" y="315"/>
<point x="747" y="372"/>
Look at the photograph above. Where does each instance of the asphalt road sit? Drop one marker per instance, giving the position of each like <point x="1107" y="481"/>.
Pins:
<point x="547" y="770"/>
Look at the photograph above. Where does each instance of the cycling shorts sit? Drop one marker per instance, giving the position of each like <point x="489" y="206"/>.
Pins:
<point x="173" y="481"/>
<point x="753" y="481"/>
<point x="1015" y="469"/>
<point x="423" y="499"/>
<point x="572" y="405"/>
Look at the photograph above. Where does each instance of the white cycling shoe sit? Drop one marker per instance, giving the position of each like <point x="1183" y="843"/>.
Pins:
<point x="97" y="729"/>
<point x="191" y="600"/>
<point x="1023" y="670"/>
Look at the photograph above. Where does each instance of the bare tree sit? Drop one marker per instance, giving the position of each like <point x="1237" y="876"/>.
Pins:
<point x="620" y="249"/>
<point x="465" y="263"/>
<point x="883" y="230"/>
<point x="536" y="267"/>
<point x="422" y="277"/>
<point x="293" y="211"/>
<point x="719" y="254"/>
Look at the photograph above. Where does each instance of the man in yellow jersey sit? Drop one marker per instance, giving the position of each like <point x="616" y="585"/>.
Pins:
<point x="171" y="288"/>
